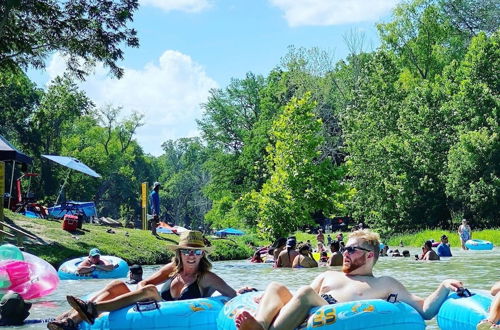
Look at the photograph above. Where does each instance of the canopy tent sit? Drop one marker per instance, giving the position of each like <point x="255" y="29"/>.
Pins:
<point x="9" y="153"/>
<point x="229" y="231"/>
<point x="72" y="164"/>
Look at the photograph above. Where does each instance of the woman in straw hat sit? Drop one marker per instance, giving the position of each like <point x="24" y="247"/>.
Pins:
<point x="188" y="276"/>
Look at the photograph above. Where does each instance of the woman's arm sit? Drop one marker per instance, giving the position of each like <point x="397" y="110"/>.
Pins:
<point x="312" y="262"/>
<point x="213" y="281"/>
<point x="158" y="277"/>
<point x="296" y="262"/>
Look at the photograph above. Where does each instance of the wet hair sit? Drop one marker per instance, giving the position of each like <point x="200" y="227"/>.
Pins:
<point x="428" y="244"/>
<point x="279" y="242"/>
<point x="369" y="240"/>
<point x="335" y="246"/>
<point x="303" y="247"/>
<point x="203" y="267"/>
<point x="406" y="253"/>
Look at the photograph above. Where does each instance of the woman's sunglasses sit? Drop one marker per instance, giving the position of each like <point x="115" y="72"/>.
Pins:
<point x="188" y="252"/>
<point x="352" y="249"/>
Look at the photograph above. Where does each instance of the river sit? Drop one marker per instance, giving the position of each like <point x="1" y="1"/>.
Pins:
<point x="477" y="269"/>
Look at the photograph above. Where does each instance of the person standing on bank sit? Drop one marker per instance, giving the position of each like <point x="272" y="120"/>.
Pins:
<point x="154" y="200"/>
<point x="465" y="233"/>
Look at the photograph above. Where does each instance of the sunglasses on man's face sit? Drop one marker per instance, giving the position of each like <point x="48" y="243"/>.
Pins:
<point x="352" y="249"/>
<point x="188" y="252"/>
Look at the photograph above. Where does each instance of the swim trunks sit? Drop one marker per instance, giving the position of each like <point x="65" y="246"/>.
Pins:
<point x="329" y="299"/>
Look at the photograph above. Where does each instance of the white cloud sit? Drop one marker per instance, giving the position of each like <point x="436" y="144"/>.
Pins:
<point x="190" y="6"/>
<point x="332" y="12"/>
<point x="168" y="93"/>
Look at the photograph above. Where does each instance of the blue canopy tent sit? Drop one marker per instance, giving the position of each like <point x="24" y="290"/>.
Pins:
<point x="229" y="231"/>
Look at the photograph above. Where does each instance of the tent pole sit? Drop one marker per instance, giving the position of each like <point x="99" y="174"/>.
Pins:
<point x="62" y="187"/>
<point x="11" y="182"/>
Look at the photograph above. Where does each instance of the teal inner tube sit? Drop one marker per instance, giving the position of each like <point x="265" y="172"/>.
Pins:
<point x="478" y="244"/>
<point x="67" y="271"/>
<point x="173" y="315"/>
<point x="464" y="313"/>
<point x="355" y="315"/>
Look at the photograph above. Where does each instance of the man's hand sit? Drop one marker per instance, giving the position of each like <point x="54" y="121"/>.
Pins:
<point x="452" y="284"/>
<point x="245" y="290"/>
<point x="115" y="266"/>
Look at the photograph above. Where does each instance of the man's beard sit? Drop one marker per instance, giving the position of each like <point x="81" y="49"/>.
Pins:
<point x="353" y="265"/>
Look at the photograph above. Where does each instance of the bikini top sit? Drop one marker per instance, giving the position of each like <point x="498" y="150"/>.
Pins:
<point x="191" y="292"/>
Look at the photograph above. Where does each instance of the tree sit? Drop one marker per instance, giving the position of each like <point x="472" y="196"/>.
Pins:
<point x="301" y="183"/>
<point x="473" y="16"/>
<point x="85" y="31"/>
<point x="422" y="38"/>
<point x="19" y="98"/>
<point x="184" y="178"/>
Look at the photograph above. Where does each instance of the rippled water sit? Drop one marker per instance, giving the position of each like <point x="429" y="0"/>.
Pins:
<point x="477" y="269"/>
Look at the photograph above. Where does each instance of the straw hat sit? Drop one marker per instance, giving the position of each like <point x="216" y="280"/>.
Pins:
<point x="191" y="239"/>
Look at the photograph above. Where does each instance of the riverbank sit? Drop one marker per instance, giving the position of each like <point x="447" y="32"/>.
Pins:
<point x="133" y="245"/>
<point x="139" y="246"/>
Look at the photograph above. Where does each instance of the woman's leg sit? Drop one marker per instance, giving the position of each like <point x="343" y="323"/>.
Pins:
<point x="149" y="292"/>
<point x="112" y="290"/>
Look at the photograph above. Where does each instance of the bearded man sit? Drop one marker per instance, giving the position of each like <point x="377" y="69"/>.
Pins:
<point x="280" y="309"/>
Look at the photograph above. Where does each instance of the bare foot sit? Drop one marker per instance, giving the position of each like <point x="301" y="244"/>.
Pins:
<point x="246" y="321"/>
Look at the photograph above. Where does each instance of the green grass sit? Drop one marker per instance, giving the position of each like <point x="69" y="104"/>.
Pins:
<point x="56" y="245"/>
<point x="417" y="239"/>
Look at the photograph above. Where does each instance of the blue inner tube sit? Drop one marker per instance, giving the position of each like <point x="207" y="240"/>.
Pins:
<point x="478" y="244"/>
<point x="463" y="313"/>
<point x="173" y="315"/>
<point x="67" y="271"/>
<point x="363" y="314"/>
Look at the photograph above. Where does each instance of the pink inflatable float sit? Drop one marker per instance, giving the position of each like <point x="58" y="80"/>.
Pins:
<point x="31" y="278"/>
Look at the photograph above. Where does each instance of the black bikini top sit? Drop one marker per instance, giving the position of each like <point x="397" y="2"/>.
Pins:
<point x="191" y="292"/>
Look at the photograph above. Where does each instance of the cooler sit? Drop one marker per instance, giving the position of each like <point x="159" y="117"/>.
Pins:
<point x="70" y="222"/>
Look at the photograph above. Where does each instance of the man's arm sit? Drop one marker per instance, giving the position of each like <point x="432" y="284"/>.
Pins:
<point x="429" y="306"/>
<point x="85" y="267"/>
<point x="106" y="266"/>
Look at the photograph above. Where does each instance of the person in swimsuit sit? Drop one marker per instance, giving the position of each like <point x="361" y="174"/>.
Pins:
<point x="465" y="233"/>
<point x="304" y="259"/>
<point x="286" y="257"/>
<point x="281" y="309"/>
<point x="94" y="262"/>
<point x="336" y="259"/>
<point x="188" y="276"/>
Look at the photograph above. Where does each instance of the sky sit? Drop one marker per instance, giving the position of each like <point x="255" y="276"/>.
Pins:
<point x="188" y="47"/>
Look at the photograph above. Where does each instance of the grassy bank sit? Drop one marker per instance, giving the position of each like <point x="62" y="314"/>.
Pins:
<point x="133" y="245"/>
<point x="417" y="239"/>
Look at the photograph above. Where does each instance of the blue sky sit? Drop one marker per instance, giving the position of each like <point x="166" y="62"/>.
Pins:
<point x="190" y="46"/>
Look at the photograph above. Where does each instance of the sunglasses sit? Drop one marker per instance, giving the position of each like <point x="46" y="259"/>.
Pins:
<point x="352" y="249"/>
<point x="188" y="252"/>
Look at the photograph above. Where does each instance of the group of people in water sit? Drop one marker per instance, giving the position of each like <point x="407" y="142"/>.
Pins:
<point x="189" y="276"/>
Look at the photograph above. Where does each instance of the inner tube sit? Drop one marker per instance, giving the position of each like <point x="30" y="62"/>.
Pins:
<point x="463" y="313"/>
<point x="478" y="244"/>
<point x="67" y="271"/>
<point x="173" y="315"/>
<point x="31" y="277"/>
<point x="355" y="315"/>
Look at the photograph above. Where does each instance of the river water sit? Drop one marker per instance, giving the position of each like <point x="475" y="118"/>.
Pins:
<point x="477" y="269"/>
